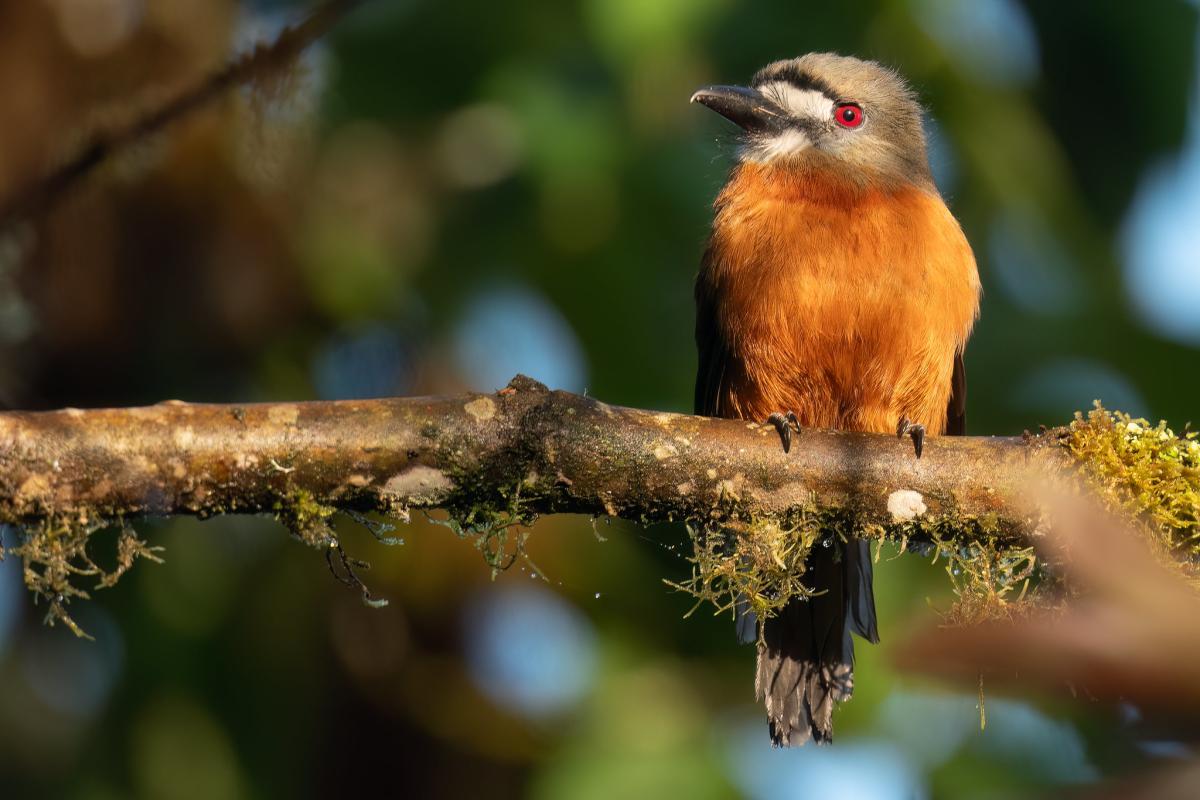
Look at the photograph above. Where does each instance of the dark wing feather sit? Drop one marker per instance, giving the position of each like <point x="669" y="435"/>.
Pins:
<point x="956" y="411"/>
<point x="711" y="347"/>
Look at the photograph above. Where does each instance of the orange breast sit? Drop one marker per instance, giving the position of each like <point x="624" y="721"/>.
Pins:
<point x="842" y="302"/>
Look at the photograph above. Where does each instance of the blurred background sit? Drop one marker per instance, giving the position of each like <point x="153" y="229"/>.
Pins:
<point x="440" y="195"/>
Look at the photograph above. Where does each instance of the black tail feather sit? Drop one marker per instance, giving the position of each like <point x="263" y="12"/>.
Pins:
<point x="746" y="620"/>
<point x="860" y="594"/>
<point x="806" y="654"/>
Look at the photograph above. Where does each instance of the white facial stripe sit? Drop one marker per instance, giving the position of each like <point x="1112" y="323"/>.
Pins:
<point x="781" y="145"/>
<point x="807" y="103"/>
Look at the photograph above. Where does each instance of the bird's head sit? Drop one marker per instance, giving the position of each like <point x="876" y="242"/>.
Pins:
<point x="828" y="110"/>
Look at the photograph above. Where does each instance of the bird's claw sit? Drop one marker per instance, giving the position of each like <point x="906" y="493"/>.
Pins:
<point x="915" y="430"/>
<point x="785" y="423"/>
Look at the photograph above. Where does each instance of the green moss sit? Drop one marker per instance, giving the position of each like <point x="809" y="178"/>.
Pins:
<point x="305" y="518"/>
<point x="991" y="579"/>
<point x="498" y="530"/>
<point x="763" y="562"/>
<point x="1147" y="471"/>
<point x="56" y="557"/>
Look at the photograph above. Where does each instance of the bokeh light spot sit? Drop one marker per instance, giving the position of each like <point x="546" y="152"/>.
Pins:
<point x="479" y="145"/>
<point x="1056" y="389"/>
<point x="70" y="675"/>
<point x="528" y="649"/>
<point x="371" y="361"/>
<point x="1161" y="243"/>
<point x="97" y="27"/>
<point x="1033" y="268"/>
<point x="179" y="752"/>
<point x="511" y="329"/>
<point x="864" y="770"/>
<point x="993" y="40"/>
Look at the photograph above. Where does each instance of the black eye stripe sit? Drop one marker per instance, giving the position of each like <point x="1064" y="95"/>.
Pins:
<point x="790" y="73"/>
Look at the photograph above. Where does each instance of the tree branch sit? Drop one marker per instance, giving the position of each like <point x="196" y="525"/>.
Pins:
<point x="262" y="60"/>
<point x="524" y="447"/>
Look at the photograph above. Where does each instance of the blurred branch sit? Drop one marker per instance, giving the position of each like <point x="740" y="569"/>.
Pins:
<point x="1125" y="632"/>
<point x="1128" y="632"/>
<point x="264" y="59"/>
<point x="522" y="451"/>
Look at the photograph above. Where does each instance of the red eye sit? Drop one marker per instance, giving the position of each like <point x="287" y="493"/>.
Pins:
<point x="848" y="115"/>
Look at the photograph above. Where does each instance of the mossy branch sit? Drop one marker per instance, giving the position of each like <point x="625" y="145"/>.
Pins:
<point x="496" y="462"/>
<point x="557" y="451"/>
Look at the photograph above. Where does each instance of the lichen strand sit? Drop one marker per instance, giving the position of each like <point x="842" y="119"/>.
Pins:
<point x="1147" y="471"/>
<point x="992" y="577"/>
<point x="762" y="562"/>
<point x="498" y="529"/>
<point x="55" y="556"/>
<point x="309" y="521"/>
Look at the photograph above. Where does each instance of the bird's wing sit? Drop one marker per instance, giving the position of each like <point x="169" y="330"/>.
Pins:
<point x="956" y="411"/>
<point x="711" y="346"/>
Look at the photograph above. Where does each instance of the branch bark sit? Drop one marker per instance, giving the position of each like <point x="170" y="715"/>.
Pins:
<point x="548" y="451"/>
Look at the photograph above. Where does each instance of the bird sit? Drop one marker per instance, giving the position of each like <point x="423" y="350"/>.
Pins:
<point x="836" y="290"/>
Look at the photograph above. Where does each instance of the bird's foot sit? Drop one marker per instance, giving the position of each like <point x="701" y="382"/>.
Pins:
<point x="785" y="423"/>
<point x="915" y="430"/>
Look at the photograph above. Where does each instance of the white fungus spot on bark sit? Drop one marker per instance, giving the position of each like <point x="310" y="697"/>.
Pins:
<point x="482" y="409"/>
<point x="684" y="488"/>
<point x="905" y="504"/>
<point x="419" y="484"/>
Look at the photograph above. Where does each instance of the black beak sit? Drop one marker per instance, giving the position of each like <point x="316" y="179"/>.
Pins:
<point x="747" y="108"/>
